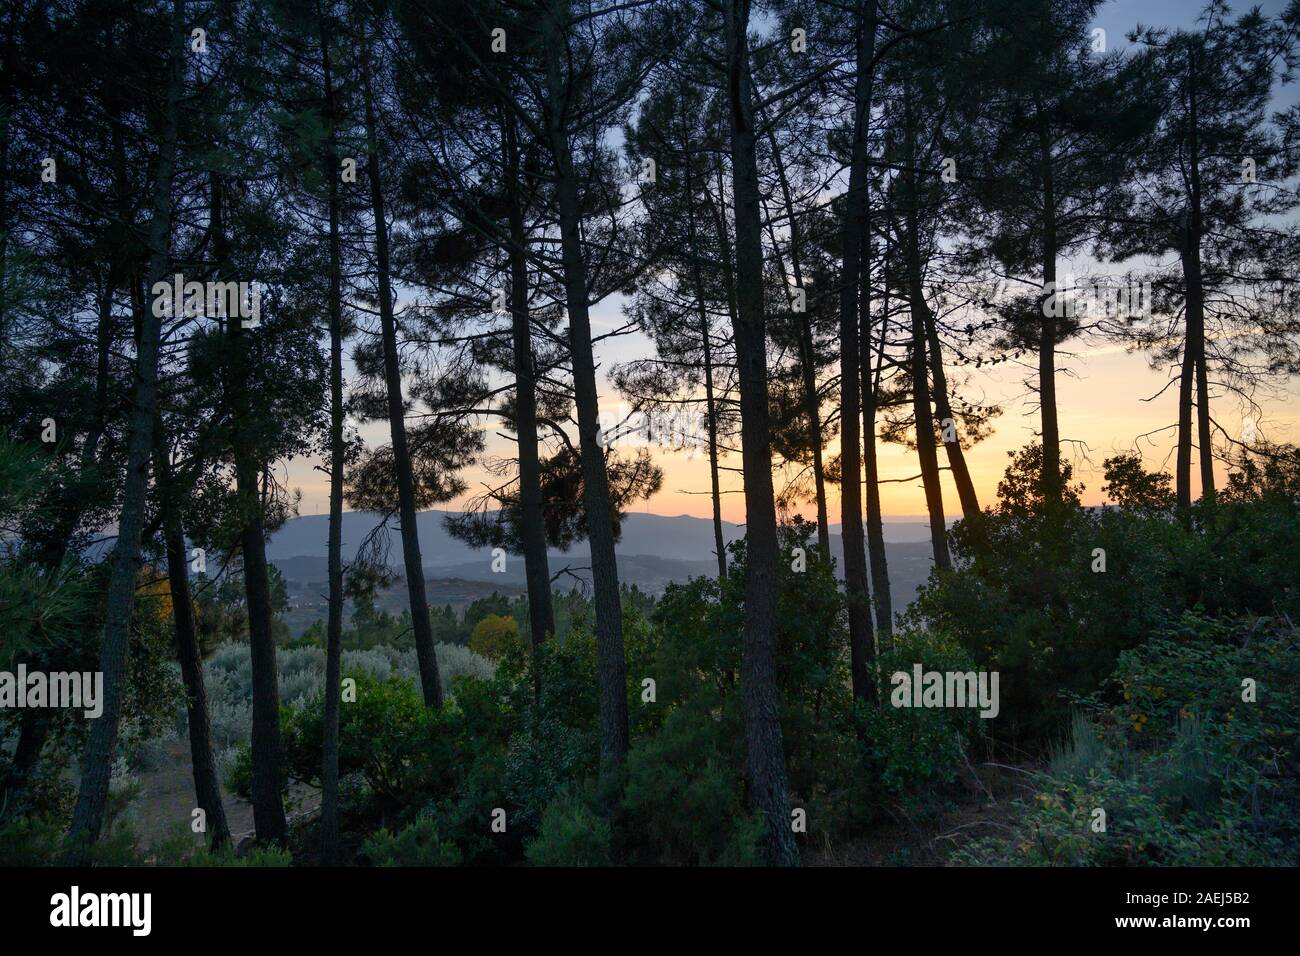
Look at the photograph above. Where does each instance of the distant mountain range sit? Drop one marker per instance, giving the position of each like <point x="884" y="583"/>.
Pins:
<point x="653" y="551"/>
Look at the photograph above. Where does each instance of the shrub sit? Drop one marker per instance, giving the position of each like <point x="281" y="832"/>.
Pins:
<point x="1187" y="772"/>
<point x="420" y="844"/>
<point x="913" y="750"/>
<point x="492" y="635"/>
<point x="571" y="834"/>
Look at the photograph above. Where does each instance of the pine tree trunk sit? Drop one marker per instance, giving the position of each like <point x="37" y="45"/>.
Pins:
<point x="921" y="411"/>
<point x="421" y="623"/>
<point x="611" y="665"/>
<point x="706" y="345"/>
<point x="807" y="360"/>
<point x="268" y="800"/>
<point x="1051" y="473"/>
<point x="207" y="780"/>
<point x="329" y="808"/>
<point x="970" y="506"/>
<point x="33" y="731"/>
<point x="88" y="814"/>
<point x="876" y="558"/>
<point x="1189" y="378"/>
<point x="877" y="561"/>
<point x="853" y="231"/>
<point x="729" y="283"/>
<point x="715" y="488"/>
<point x="1194" y="310"/>
<point x="768" y="788"/>
<point x="1205" y="453"/>
<point x="532" y="524"/>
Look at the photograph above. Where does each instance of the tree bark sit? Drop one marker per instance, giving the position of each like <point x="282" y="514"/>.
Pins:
<point x="329" y="810"/>
<point x="853" y="232"/>
<point x="88" y="814"/>
<point x="877" y="560"/>
<point x="268" y="801"/>
<point x="532" y="525"/>
<point x="33" y="731"/>
<point x="1051" y="437"/>
<point x="768" y="788"/>
<point x="1205" y="452"/>
<point x="706" y="345"/>
<point x="412" y="561"/>
<point x="970" y="506"/>
<point x="611" y="665"/>
<point x="807" y="359"/>
<point x="715" y="485"/>
<point x="1194" y="314"/>
<point x="921" y="411"/>
<point x="207" y="780"/>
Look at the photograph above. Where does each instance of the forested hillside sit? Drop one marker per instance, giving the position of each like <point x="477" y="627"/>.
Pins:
<point x="482" y="280"/>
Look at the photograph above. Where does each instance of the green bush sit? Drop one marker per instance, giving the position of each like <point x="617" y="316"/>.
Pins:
<point x="571" y="834"/>
<point x="382" y="738"/>
<point x="914" y="750"/>
<point x="1187" y="772"/>
<point x="1027" y="600"/>
<point x="420" y="844"/>
<point x="31" y="841"/>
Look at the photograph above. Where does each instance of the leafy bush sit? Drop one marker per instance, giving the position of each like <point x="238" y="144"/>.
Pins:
<point x="1187" y="772"/>
<point x="419" y="844"/>
<point x="1029" y="597"/>
<point x="571" y="834"/>
<point x="915" y="749"/>
<point x="685" y="797"/>
<point x="493" y="635"/>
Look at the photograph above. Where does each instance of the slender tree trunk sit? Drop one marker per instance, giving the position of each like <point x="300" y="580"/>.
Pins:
<point x="103" y="353"/>
<point x="807" y="357"/>
<point x="1205" y="453"/>
<point x="921" y="411"/>
<point x="970" y="506"/>
<point x="706" y="345"/>
<point x="715" y="487"/>
<point x="725" y="245"/>
<point x="207" y="781"/>
<point x="1194" y="313"/>
<point x="532" y="525"/>
<point x="33" y="731"/>
<point x="7" y="74"/>
<point x="854" y="235"/>
<point x="1194" y="375"/>
<point x="1186" y="381"/>
<point x="413" y="563"/>
<point x="1051" y="474"/>
<point x="877" y="561"/>
<point x="768" y="789"/>
<point x="88" y="815"/>
<point x="729" y="284"/>
<point x="611" y="665"/>
<point x="268" y="801"/>
<point x="329" y="808"/>
<point x="1196" y="303"/>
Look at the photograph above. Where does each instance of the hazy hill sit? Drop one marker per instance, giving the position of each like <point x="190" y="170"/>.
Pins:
<point x="653" y="551"/>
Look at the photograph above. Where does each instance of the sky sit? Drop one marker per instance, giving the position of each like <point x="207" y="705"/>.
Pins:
<point x="1109" y="400"/>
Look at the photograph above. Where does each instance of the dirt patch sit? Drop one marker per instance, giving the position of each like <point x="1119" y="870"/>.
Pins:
<point x="983" y="807"/>
<point x="165" y="804"/>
